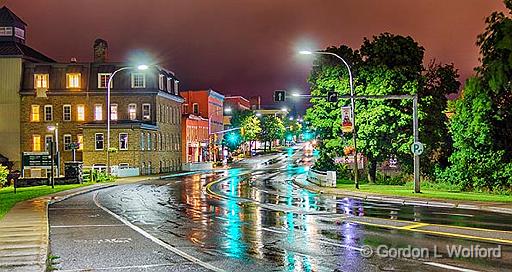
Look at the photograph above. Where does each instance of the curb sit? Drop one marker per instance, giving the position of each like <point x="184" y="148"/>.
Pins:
<point x="402" y="201"/>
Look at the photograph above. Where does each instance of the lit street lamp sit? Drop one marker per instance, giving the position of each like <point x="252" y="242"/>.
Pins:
<point x="140" y="67"/>
<point x="352" y="102"/>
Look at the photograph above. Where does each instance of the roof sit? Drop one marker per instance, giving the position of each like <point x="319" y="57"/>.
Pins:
<point x="16" y="49"/>
<point x="8" y="17"/>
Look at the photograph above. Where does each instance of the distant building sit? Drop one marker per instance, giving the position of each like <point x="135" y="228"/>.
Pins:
<point x="234" y="103"/>
<point x="194" y="139"/>
<point x="255" y="102"/>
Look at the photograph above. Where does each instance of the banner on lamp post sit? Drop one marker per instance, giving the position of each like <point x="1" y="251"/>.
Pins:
<point x="346" y="119"/>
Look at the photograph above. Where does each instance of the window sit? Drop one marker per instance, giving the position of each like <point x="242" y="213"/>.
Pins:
<point x="80" y="112"/>
<point x="72" y="80"/>
<point x="123" y="141"/>
<point x="176" y="83"/>
<point x="169" y="84"/>
<point x="5" y="31"/>
<point x="149" y="141"/>
<point x="195" y="108"/>
<point x="98" y="141"/>
<point x="185" y="109"/>
<point x="67" y="142"/>
<point x="36" y="143"/>
<point x="138" y="80"/>
<point x="142" y="141"/>
<point x="66" y="112"/>
<point x="41" y="81"/>
<point x="48" y="139"/>
<point x="34" y="115"/>
<point x="48" y="112"/>
<point x="161" y="79"/>
<point x="103" y="80"/>
<point x="132" y="111"/>
<point x="113" y="112"/>
<point x="98" y="112"/>
<point x="20" y="33"/>
<point x="146" y="112"/>
<point x="80" y="140"/>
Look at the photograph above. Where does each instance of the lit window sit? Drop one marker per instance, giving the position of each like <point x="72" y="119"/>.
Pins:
<point x="66" y="112"/>
<point x="161" y="79"/>
<point x="67" y="142"/>
<point x="48" y="139"/>
<point x="48" y="113"/>
<point x="195" y="108"/>
<point x="123" y="141"/>
<point x="146" y="112"/>
<point x="103" y="80"/>
<point x="41" y="81"/>
<point x="80" y="112"/>
<point x="73" y="80"/>
<point x="36" y="143"/>
<point x="5" y="31"/>
<point x="98" y="141"/>
<point x="80" y="140"/>
<point x="113" y="112"/>
<point x="98" y="112"/>
<point x="34" y="116"/>
<point x="138" y="80"/>
<point x="149" y="141"/>
<point x="132" y="111"/>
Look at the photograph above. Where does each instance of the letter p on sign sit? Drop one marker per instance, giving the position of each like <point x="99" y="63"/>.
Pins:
<point x="417" y="148"/>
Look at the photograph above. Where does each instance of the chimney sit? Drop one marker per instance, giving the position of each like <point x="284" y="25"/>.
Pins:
<point x="100" y="50"/>
<point x="73" y="60"/>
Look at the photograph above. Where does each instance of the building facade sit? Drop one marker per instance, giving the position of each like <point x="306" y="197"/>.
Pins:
<point x="14" y="54"/>
<point x="194" y="139"/>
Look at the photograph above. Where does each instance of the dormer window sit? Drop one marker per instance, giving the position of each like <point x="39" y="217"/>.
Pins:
<point x="161" y="82"/>
<point x="73" y="80"/>
<point x="5" y="31"/>
<point x="138" y="80"/>
<point x="176" y="84"/>
<point x="103" y="80"/>
<point x="41" y="81"/>
<point x="19" y="33"/>
<point x="169" y="84"/>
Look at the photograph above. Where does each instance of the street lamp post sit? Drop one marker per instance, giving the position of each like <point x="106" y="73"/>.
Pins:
<point x="54" y="144"/>
<point x="210" y="134"/>
<point x="140" y="67"/>
<point x="352" y="103"/>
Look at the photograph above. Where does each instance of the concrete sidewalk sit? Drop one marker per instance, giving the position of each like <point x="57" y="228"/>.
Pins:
<point x="24" y="229"/>
<point x="497" y="207"/>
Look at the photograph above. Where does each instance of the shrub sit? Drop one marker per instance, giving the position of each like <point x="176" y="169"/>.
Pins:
<point x="4" y="172"/>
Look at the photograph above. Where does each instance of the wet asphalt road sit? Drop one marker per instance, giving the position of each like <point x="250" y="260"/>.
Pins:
<point x="256" y="220"/>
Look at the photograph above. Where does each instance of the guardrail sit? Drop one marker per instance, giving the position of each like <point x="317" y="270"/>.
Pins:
<point x="320" y="178"/>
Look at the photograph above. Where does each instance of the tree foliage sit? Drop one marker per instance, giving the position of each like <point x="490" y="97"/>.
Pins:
<point x="272" y="128"/>
<point x="482" y="124"/>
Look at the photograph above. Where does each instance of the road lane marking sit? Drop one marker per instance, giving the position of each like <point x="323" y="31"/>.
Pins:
<point x="156" y="240"/>
<point x="413" y="226"/>
<point x="86" y="226"/>
<point x="445" y="266"/>
<point x="119" y="267"/>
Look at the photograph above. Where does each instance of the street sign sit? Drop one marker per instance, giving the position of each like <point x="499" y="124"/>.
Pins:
<point x="279" y="96"/>
<point x="36" y="160"/>
<point x="417" y="148"/>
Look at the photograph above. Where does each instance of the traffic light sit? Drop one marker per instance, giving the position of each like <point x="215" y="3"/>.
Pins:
<point x="332" y="97"/>
<point x="233" y="138"/>
<point x="279" y="96"/>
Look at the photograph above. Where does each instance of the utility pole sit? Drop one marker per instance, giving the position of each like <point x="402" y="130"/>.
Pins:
<point x="416" y="140"/>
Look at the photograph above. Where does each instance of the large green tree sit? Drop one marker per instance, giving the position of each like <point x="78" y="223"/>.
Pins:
<point x="482" y="124"/>
<point x="250" y="128"/>
<point x="385" y="65"/>
<point x="272" y="128"/>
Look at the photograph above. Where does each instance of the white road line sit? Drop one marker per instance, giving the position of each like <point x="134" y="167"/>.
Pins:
<point x="156" y="240"/>
<point x="86" y="226"/>
<point x="445" y="266"/>
<point x="117" y="267"/>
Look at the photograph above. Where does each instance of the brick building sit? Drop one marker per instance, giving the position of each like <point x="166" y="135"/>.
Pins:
<point x="195" y="139"/>
<point x="145" y="113"/>
<point x="37" y="93"/>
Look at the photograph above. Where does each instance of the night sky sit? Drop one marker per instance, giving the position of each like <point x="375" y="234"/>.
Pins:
<point x="247" y="47"/>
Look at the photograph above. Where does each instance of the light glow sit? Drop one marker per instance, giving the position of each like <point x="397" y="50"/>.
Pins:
<point x="305" y="52"/>
<point x="142" y="67"/>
